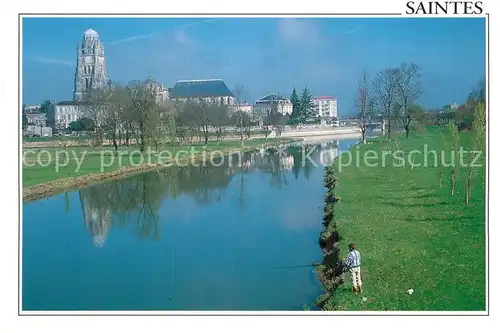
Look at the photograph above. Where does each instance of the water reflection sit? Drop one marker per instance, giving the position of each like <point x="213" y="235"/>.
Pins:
<point x="191" y="238"/>
<point x="137" y="200"/>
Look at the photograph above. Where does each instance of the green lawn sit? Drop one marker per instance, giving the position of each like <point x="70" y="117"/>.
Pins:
<point x="35" y="172"/>
<point x="412" y="233"/>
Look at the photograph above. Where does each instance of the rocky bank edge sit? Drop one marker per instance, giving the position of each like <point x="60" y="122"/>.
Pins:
<point x="330" y="271"/>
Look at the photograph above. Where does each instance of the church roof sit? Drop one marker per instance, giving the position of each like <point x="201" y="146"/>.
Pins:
<point x="200" y="88"/>
<point x="89" y="33"/>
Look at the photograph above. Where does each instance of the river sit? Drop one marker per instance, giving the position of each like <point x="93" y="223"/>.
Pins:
<point x="191" y="238"/>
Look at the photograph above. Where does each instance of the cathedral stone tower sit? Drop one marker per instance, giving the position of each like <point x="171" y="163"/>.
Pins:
<point x="90" y="66"/>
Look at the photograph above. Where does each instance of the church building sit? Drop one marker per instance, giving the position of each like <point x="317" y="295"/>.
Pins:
<point x="90" y="75"/>
<point x="90" y="66"/>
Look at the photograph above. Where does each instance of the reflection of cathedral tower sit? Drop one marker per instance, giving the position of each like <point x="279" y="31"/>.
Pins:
<point x="96" y="217"/>
<point x="90" y="67"/>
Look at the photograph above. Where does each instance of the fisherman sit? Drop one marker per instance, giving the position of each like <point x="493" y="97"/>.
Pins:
<point x="352" y="264"/>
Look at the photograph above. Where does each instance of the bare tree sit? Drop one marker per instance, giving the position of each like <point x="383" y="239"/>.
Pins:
<point x="239" y="95"/>
<point x="454" y="140"/>
<point x="98" y="102"/>
<point x="364" y="104"/>
<point x="169" y="116"/>
<point x="113" y="105"/>
<point x="478" y="95"/>
<point x="184" y="120"/>
<point x="248" y="121"/>
<point x="408" y="90"/>
<point x="218" y="118"/>
<point x="156" y="127"/>
<point x="243" y="121"/>
<point x="478" y="144"/>
<point x="275" y="119"/>
<point x="385" y="88"/>
<point x="143" y="107"/>
<point x="199" y="116"/>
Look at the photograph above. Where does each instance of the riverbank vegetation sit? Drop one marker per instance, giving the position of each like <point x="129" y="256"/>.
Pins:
<point x="413" y="232"/>
<point x="132" y="128"/>
<point x="415" y="208"/>
<point x="48" y="171"/>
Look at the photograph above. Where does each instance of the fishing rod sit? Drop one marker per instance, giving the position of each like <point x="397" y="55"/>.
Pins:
<point x="290" y="267"/>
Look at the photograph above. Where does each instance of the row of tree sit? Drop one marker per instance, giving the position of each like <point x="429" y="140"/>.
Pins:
<point x="391" y="96"/>
<point x="475" y="108"/>
<point x="134" y="113"/>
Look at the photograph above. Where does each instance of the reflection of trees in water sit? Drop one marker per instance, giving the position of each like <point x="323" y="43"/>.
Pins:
<point x="308" y="156"/>
<point x="205" y="184"/>
<point x="136" y="200"/>
<point x="67" y="203"/>
<point x="245" y="164"/>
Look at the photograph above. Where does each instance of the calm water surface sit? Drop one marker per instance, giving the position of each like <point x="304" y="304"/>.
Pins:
<point x="193" y="238"/>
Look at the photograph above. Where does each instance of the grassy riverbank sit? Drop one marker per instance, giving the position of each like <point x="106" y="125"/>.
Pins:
<point x="411" y="232"/>
<point x="81" y="166"/>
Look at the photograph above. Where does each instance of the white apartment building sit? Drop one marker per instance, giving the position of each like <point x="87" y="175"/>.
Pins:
<point x="325" y="106"/>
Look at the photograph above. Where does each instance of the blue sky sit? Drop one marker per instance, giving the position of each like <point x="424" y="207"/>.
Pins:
<point x="264" y="54"/>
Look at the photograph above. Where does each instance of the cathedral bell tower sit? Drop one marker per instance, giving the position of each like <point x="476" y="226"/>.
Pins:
<point x="90" y="66"/>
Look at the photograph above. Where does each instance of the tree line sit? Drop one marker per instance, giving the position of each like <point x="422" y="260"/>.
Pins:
<point x="134" y="114"/>
<point x="391" y="96"/>
<point x="471" y="118"/>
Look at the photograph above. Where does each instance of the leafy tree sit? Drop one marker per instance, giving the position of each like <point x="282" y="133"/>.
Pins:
<point x="44" y="106"/>
<point x="306" y="105"/>
<point x="76" y="126"/>
<point x="418" y="114"/>
<point x="294" y="98"/>
<point x="82" y="124"/>
<point x="87" y="124"/>
<point x="464" y="116"/>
